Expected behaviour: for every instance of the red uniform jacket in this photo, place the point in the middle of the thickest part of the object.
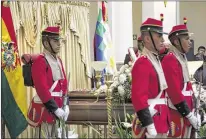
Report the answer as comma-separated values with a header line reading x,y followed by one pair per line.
x,y
174,77
43,81
145,85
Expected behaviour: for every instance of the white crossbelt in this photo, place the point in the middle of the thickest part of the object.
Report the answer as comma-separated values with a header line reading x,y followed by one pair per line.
x,y
187,93
157,101
55,94
184,92
153,102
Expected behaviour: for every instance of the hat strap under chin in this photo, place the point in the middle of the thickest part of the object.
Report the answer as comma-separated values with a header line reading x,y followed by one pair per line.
x,y
153,41
50,45
181,44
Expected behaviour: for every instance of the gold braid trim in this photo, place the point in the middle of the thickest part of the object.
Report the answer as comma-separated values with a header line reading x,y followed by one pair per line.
x,y
77,3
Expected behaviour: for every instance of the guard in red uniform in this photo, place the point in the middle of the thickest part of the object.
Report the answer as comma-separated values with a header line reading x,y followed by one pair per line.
x,y
179,87
148,85
50,81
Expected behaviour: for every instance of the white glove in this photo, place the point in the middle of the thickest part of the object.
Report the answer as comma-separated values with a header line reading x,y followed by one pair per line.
x,y
151,131
67,111
194,120
152,110
60,113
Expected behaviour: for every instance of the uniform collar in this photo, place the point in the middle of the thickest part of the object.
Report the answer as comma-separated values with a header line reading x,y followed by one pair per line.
x,y
49,54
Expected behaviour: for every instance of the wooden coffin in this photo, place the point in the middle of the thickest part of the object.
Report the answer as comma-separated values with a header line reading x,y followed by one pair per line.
x,y
83,108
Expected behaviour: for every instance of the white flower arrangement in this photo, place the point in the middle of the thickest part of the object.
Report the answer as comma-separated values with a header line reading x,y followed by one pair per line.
x,y
197,92
203,95
122,84
127,125
102,89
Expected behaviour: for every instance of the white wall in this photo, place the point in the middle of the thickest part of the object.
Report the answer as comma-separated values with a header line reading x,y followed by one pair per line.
x,y
122,29
147,10
169,12
195,12
156,8
93,13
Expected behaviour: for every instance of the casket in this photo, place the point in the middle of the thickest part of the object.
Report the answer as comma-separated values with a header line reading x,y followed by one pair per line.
x,y
83,108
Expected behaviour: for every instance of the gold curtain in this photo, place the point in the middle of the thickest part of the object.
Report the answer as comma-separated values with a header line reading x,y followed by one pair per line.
x,y
30,18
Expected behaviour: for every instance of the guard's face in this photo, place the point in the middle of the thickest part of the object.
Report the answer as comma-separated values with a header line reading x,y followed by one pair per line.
x,y
158,40
55,43
186,43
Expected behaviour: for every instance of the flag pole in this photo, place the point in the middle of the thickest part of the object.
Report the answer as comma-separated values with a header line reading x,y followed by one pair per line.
x,y
2,128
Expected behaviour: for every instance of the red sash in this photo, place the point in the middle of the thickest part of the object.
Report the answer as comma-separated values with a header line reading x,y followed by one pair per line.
x,y
176,126
137,130
37,110
35,113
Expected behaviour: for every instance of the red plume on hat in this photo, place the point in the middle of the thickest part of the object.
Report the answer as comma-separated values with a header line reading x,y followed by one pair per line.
x,y
180,29
161,17
154,25
185,20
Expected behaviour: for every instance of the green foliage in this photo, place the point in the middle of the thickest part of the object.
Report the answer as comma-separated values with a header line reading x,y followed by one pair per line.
x,y
94,129
123,129
202,133
84,136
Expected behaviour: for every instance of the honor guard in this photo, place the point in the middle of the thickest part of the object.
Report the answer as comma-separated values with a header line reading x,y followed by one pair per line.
x,y
50,83
148,85
179,87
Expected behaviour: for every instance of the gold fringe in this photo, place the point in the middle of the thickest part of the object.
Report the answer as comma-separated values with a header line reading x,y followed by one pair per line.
x,y
78,3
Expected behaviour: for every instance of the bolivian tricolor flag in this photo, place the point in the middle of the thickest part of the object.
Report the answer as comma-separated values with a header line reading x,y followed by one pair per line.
x,y
13,92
